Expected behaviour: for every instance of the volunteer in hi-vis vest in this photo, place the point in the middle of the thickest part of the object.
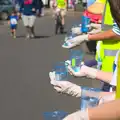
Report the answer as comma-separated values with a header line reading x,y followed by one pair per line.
x,y
106,50
110,42
62,5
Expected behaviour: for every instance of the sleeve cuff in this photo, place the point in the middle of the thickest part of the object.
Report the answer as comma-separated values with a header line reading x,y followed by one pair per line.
x,y
116,31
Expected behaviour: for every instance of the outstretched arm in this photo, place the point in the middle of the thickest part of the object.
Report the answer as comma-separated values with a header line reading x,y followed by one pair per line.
x,y
108,111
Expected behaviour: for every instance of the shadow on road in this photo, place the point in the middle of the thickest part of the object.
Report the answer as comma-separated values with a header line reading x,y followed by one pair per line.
x,y
36,37
41,36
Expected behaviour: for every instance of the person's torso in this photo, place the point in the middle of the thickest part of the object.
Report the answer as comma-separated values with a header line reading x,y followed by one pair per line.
x,y
13,20
28,6
61,4
109,47
106,53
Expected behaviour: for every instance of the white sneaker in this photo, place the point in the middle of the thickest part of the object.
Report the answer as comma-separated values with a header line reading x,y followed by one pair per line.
x,y
27,36
32,35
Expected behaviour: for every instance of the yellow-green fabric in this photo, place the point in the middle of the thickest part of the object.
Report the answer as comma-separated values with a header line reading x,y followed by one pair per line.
x,y
61,4
107,61
118,78
101,1
108,17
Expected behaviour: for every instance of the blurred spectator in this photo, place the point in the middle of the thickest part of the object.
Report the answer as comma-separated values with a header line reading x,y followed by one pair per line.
x,y
40,8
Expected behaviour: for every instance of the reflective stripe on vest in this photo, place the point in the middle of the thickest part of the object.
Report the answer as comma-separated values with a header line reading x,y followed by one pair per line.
x,y
105,26
110,52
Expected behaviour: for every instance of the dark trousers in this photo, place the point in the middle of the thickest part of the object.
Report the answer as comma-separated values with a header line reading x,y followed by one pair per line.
x,y
106,87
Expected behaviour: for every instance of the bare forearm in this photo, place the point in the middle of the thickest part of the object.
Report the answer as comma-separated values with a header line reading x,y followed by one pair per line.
x,y
102,94
104,36
93,8
104,76
108,111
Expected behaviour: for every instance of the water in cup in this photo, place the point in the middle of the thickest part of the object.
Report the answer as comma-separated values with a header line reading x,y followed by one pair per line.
x,y
61,72
76,57
88,102
89,97
56,115
68,37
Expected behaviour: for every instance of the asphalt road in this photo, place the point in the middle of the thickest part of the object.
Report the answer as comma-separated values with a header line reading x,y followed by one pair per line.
x,y
25,90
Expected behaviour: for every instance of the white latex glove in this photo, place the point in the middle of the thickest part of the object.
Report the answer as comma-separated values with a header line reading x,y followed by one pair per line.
x,y
107,98
75,41
79,115
84,71
65,86
94,28
67,62
76,30
81,73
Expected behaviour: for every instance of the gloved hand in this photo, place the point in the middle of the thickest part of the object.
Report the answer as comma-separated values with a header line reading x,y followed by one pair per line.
x,y
79,115
81,73
76,30
107,98
65,86
94,28
84,71
75,41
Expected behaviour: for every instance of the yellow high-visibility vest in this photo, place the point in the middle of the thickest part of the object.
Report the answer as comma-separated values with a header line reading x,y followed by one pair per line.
x,y
61,4
118,78
109,48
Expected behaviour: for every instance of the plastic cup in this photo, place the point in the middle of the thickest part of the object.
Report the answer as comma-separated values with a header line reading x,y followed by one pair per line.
x,y
89,97
56,115
61,72
85,22
76,57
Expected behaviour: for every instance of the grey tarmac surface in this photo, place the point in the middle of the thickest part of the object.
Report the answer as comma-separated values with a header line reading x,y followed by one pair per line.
x,y
25,90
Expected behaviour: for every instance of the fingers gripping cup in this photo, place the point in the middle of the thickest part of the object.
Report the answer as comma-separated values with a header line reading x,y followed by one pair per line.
x,y
68,37
76,57
56,115
61,72
89,97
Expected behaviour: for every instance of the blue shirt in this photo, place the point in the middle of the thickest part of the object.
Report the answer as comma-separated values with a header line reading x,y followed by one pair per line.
x,y
13,20
27,6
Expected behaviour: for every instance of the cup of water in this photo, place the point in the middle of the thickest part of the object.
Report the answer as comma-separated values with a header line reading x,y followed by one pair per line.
x,y
85,22
68,37
89,97
76,57
56,115
61,72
